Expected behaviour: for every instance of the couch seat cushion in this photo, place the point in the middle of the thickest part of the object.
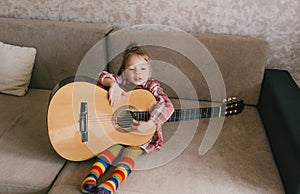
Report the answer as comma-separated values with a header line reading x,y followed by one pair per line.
x,y
28,164
239,162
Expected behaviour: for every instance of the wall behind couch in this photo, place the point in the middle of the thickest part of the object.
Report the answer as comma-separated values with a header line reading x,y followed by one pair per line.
x,y
277,21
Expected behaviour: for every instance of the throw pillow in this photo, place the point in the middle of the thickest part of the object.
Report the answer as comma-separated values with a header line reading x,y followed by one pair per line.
x,y
16,65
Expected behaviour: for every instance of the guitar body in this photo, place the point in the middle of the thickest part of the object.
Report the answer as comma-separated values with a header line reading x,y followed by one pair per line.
x,y
102,121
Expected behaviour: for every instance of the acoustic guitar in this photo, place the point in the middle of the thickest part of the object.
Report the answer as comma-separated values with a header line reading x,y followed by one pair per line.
x,y
81,122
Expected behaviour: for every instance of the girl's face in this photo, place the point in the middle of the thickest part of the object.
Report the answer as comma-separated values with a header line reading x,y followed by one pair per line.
x,y
137,70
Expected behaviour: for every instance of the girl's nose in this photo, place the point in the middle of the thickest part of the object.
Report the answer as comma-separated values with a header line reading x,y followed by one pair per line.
x,y
137,71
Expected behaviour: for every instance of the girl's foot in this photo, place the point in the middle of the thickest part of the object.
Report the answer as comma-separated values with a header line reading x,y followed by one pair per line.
x,y
88,188
100,190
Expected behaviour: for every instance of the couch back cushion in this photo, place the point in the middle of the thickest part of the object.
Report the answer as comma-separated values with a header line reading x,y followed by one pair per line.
x,y
60,45
240,61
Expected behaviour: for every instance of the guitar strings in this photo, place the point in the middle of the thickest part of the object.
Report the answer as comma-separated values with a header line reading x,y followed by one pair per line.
x,y
109,118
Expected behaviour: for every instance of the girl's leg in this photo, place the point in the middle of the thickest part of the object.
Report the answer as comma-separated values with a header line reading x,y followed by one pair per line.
x,y
122,170
103,161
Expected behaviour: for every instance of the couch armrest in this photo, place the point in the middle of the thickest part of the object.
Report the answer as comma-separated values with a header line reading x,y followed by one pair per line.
x,y
279,107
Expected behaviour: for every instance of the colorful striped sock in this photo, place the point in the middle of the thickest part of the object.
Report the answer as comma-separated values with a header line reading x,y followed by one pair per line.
x,y
122,170
103,161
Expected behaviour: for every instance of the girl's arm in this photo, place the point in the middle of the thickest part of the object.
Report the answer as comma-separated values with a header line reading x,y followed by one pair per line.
x,y
109,81
164,108
105,79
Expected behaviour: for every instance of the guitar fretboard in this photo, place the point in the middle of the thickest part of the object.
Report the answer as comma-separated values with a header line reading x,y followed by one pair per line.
x,y
185,114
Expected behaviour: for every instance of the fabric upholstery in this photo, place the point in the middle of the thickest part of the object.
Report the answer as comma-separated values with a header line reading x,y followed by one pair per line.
x,y
60,45
241,60
16,67
28,163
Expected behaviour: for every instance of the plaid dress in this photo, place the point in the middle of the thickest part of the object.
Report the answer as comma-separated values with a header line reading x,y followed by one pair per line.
x,y
160,113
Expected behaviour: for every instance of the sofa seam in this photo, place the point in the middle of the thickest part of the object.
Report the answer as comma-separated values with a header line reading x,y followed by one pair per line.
x,y
52,185
15,121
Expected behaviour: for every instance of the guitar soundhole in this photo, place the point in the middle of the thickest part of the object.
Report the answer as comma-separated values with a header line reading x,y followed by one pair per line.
x,y
123,119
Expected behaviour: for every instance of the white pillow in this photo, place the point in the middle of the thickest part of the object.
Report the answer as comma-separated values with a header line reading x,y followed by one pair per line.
x,y
16,65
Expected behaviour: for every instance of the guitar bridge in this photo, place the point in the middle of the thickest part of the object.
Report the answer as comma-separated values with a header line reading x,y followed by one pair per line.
x,y
83,122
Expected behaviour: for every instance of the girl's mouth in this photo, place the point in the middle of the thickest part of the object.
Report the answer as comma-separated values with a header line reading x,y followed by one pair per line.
x,y
137,79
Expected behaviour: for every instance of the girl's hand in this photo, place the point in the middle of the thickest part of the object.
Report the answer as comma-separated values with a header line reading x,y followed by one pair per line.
x,y
115,93
142,126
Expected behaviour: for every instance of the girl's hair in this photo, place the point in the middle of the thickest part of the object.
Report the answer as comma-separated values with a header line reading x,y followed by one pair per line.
x,y
133,49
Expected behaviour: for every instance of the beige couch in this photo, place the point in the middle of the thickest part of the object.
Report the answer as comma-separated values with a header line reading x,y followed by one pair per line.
x,y
240,161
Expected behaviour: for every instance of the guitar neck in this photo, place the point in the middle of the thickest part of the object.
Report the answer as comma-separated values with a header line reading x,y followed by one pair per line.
x,y
185,114
195,113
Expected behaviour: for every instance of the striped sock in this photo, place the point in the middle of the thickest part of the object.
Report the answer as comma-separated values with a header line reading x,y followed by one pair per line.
x,y
98,168
104,160
122,170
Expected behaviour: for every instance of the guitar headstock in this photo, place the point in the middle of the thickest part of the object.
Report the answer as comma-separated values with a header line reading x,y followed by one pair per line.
x,y
232,105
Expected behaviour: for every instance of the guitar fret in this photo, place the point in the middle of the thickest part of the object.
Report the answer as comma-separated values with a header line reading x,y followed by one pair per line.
x,y
198,113
176,116
185,114
204,113
201,114
212,112
195,111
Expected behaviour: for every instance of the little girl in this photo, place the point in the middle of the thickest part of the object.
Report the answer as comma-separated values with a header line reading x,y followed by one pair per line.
x,y
135,72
